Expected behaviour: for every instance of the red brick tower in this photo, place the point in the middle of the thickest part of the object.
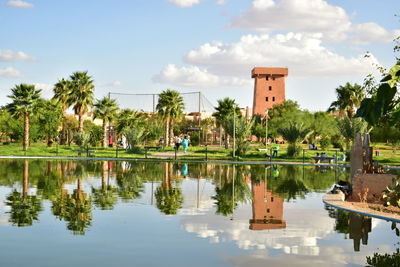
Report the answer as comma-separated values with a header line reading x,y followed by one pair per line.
x,y
269,88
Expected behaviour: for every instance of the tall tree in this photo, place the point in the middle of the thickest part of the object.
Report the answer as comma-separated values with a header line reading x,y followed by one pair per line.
x,y
81,95
61,92
349,98
24,98
225,109
294,134
105,109
170,107
50,116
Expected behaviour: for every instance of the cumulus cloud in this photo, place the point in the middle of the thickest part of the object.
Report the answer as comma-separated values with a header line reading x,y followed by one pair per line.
x,y
8,55
303,54
10,72
195,77
185,3
47,89
313,16
19,4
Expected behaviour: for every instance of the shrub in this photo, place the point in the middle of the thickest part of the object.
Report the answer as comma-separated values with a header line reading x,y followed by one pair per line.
x,y
325,142
391,195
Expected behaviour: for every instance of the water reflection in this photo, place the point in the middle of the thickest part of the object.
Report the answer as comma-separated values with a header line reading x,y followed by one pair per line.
x,y
275,208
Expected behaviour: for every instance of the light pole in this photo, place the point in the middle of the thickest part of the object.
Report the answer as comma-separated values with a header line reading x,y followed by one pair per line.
x,y
266,129
234,132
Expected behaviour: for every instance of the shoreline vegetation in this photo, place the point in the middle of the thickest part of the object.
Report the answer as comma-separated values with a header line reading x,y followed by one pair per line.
x,y
387,157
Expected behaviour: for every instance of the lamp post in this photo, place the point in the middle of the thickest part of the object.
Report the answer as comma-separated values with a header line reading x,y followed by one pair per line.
x,y
266,129
234,132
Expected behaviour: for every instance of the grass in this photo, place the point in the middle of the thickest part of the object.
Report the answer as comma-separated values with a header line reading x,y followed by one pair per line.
x,y
387,155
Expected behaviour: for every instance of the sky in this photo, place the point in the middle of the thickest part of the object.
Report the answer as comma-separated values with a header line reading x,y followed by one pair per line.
x,y
146,46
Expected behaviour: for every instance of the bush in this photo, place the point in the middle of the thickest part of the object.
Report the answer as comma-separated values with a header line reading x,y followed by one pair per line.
x,y
391,195
194,139
135,137
337,141
82,139
325,142
293,150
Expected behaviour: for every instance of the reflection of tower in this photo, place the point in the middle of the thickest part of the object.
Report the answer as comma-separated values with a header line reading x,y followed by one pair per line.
x,y
269,88
267,209
360,226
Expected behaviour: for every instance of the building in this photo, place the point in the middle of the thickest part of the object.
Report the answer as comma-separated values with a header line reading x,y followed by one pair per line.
x,y
269,88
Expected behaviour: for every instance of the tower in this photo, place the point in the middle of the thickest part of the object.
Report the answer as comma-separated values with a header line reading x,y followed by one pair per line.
x,y
269,88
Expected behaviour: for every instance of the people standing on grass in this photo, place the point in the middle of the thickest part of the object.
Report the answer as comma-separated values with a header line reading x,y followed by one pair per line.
x,y
185,143
178,142
276,148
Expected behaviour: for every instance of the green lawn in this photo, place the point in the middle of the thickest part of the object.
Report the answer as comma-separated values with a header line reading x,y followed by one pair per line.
x,y
387,155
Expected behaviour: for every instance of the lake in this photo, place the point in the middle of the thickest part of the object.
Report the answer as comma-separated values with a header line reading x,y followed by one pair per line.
x,y
137,213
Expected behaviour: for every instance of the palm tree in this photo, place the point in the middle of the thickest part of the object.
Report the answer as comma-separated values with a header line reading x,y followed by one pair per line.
x,y
24,100
61,92
126,120
81,95
349,127
226,108
294,134
105,109
170,107
349,98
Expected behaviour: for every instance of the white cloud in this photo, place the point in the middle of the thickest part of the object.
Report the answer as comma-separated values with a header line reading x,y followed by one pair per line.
x,y
221,2
47,89
303,54
8,55
185,3
195,77
186,76
19,4
312,16
10,72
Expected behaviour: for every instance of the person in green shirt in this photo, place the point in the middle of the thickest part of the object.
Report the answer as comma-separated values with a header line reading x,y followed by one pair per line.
x,y
276,148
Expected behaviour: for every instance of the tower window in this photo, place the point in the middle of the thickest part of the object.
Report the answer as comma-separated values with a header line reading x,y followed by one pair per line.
x,y
266,99
266,78
273,98
267,210
270,88
272,199
273,78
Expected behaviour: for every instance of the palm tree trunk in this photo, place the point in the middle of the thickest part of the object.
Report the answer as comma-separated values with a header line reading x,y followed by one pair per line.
x,y
104,133
226,140
25,142
171,129
80,119
166,141
220,135
26,175
63,134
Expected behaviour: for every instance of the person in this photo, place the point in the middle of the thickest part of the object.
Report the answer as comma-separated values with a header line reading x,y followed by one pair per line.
x,y
185,143
178,142
276,148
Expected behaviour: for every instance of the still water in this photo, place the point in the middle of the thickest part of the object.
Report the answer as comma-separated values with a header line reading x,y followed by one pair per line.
x,y
116,213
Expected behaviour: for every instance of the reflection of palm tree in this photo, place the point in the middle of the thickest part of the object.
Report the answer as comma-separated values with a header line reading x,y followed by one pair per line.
x,y
24,208
233,191
105,197
169,199
130,184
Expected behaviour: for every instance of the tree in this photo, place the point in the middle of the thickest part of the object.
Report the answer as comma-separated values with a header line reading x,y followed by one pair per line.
x,y
226,107
170,107
242,132
24,100
61,92
349,127
126,120
81,95
349,98
105,109
50,115
294,134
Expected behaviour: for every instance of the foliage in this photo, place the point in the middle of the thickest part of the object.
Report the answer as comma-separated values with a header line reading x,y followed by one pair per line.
x,y
24,98
322,125
384,260
349,127
391,195
126,120
50,116
82,139
135,137
324,142
94,132
349,98
294,134
106,110
169,200
224,111
23,209
242,133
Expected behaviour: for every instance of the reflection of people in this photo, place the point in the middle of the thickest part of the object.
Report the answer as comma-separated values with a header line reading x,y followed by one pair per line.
x,y
275,172
185,143
184,170
276,148
360,226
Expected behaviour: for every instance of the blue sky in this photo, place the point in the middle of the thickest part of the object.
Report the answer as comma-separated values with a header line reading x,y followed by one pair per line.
x,y
146,46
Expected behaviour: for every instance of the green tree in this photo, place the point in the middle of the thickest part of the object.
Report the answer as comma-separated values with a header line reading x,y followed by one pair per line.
x,y
226,107
170,107
81,95
62,90
294,134
242,132
50,115
349,98
24,100
349,127
106,110
126,120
